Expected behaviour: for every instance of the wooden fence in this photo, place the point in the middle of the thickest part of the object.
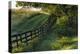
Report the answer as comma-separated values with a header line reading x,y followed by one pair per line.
x,y
30,35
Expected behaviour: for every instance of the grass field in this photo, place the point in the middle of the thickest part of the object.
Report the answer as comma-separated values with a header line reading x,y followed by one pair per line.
x,y
51,41
23,23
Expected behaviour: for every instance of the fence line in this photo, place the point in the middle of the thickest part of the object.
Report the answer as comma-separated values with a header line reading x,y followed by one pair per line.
x,y
30,35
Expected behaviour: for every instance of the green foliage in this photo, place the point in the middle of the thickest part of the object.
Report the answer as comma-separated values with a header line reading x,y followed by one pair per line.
x,y
65,43
63,34
20,3
54,42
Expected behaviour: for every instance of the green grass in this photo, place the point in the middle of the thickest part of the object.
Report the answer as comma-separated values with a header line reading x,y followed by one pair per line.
x,y
50,41
23,47
64,43
26,25
53,40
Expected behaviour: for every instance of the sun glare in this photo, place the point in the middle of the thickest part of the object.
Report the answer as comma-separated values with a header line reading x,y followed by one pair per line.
x,y
13,4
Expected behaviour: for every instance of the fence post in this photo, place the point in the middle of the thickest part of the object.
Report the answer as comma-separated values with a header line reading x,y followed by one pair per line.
x,y
20,38
39,32
26,39
16,40
31,34
42,30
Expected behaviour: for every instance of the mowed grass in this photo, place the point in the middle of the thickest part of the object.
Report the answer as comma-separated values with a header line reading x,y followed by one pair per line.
x,y
26,24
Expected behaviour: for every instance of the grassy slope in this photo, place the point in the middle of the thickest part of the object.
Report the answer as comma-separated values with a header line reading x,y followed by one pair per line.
x,y
26,25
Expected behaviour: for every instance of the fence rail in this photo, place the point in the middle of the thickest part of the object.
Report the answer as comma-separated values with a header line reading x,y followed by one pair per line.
x,y
30,35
